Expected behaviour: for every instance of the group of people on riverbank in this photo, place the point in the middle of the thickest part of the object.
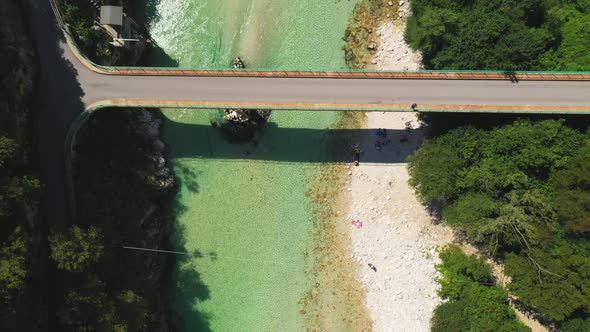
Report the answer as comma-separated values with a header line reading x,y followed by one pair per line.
x,y
381,141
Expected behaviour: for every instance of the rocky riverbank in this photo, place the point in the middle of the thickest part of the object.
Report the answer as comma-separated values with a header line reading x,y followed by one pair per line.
x,y
394,53
375,37
397,237
361,37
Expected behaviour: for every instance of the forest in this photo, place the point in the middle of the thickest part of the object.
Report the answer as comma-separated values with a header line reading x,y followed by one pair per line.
x,y
516,188
124,195
21,252
501,34
521,192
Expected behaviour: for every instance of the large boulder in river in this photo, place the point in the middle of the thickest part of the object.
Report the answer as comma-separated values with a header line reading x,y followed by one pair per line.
x,y
240,125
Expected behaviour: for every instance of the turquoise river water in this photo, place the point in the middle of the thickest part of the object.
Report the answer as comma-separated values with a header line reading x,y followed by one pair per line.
x,y
244,206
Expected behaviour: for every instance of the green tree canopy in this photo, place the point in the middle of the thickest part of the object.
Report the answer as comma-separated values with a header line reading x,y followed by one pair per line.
x,y
90,308
77,249
474,303
556,283
501,34
522,191
572,198
8,148
14,255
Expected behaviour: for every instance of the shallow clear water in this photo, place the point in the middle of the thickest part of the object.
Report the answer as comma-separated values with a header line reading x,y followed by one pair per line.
x,y
265,33
244,206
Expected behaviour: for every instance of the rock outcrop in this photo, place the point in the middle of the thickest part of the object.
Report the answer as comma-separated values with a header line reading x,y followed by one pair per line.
x,y
240,125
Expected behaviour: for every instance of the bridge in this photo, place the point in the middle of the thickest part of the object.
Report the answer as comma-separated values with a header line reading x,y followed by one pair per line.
x,y
331,90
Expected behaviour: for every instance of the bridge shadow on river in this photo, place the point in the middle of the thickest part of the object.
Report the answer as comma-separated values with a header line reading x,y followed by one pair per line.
x,y
293,145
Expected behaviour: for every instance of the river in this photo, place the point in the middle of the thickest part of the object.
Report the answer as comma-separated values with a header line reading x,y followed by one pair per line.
x,y
244,208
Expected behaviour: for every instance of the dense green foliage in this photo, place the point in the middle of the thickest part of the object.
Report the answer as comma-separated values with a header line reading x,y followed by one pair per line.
x,y
92,308
521,192
501,34
77,249
81,15
13,270
572,201
474,303
19,187
576,325
123,198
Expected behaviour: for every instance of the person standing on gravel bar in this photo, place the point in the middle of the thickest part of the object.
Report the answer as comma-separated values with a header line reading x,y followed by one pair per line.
x,y
357,154
372,267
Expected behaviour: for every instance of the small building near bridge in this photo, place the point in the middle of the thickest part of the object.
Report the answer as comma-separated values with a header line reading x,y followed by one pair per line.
x,y
111,15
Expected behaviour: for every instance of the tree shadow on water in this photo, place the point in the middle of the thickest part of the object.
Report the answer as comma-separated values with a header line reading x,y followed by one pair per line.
x,y
186,177
190,288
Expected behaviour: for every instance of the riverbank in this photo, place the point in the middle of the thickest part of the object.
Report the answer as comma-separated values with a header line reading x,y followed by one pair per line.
x,y
397,237
336,300
394,53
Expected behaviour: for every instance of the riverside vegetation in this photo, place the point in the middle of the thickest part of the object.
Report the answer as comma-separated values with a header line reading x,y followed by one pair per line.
x,y
518,189
80,16
501,34
474,303
123,198
521,192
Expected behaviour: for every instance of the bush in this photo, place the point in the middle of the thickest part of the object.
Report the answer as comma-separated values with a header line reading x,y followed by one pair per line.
x,y
14,256
576,325
474,303
93,41
572,198
76,250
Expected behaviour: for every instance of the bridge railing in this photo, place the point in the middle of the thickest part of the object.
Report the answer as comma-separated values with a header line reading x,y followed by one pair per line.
x,y
57,13
348,73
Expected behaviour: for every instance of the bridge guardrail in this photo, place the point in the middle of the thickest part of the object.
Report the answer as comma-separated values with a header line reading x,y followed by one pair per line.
x,y
340,106
347,73
353,74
